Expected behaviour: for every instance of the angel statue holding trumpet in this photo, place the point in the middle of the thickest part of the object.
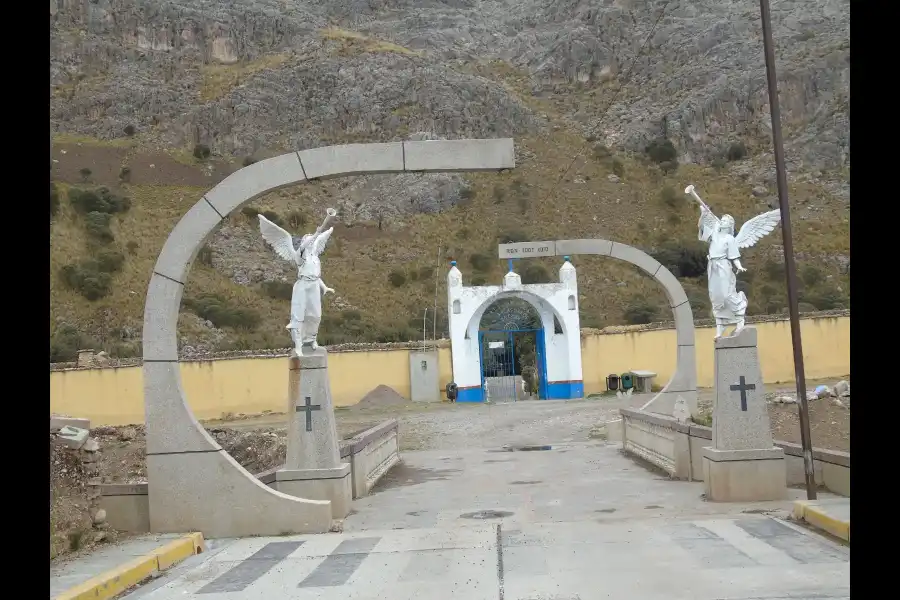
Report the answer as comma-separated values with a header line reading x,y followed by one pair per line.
x,y
724,260
306,298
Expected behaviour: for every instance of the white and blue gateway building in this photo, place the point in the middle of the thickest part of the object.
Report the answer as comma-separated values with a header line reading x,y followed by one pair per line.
x,y
511,357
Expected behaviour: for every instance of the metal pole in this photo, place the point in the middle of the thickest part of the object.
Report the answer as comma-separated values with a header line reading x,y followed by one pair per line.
x,y
424,317
789,266
437,274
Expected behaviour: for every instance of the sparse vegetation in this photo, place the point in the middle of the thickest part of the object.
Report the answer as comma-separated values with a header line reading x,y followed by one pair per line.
x,y
221,313
480,262
278,290
618,167
736,151
100,200
640,311
397,278
97,226
54,199
66,342
201,152
661,151
535,273
683,260
129,130
85,174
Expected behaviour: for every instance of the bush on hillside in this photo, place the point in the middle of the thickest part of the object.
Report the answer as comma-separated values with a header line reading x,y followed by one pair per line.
x,y
54,200
66,342
397,278
278,290
535,273
86,279
201,151
274,217
85,174
220,313
512,236
480,262
640,312
100,200
129,130
296,219
250,212
618,167
736,151
97,226
670,197
662,150
688,260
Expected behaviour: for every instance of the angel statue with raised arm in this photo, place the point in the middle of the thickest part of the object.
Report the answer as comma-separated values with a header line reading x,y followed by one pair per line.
x,y
729,306
306,298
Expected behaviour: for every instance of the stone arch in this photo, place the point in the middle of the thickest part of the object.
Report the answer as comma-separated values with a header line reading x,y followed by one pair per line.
x,y
684,380
193,483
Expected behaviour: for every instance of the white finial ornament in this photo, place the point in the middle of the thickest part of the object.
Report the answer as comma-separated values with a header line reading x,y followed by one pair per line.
x,y
306,298
729,306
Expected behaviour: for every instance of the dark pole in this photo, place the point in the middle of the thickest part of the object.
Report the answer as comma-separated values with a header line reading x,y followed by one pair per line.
x,y
789,266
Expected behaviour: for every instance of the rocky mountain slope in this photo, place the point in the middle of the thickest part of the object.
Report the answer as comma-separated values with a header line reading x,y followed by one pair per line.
x,y
614,104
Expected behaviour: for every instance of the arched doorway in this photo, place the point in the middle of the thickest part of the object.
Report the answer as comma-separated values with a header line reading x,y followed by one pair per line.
x,y
557,339
512,351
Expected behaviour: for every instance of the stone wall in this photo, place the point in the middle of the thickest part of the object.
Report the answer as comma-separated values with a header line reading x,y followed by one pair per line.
x,y
676,448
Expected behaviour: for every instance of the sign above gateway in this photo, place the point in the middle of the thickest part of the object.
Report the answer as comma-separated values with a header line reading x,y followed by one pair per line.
x,y
527,249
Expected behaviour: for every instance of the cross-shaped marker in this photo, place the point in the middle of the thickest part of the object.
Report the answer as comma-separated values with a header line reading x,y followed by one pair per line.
x,y
308,408
742,387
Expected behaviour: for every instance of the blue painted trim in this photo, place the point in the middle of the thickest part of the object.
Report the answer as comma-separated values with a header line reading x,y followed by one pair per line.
x,y
543,389
470,395
565,390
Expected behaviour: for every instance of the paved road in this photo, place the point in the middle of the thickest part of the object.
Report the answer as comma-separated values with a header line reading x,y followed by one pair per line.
x,y
751,557
578,521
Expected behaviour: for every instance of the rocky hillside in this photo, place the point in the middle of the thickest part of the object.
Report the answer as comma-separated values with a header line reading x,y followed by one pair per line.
x,y
615,106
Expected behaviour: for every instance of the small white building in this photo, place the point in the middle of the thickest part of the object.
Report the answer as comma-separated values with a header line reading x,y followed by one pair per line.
x,y
558,340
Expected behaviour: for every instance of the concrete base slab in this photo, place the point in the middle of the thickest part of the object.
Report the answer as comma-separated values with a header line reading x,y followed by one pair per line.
x,y
744,475
212,493
334,485
831,515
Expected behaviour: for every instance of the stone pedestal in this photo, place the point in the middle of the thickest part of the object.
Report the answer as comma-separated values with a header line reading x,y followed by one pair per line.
x,y
743,464
312,467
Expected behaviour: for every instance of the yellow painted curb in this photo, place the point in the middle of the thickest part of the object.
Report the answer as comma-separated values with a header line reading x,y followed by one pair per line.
x,y
818,518
115,581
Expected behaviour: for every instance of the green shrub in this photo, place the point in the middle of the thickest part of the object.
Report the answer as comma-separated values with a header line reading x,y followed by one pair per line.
x,y
107,261
85,174
132,247
668,166
478,280
397,278
774,270
824,298
129,130
351,315
670,197
811,275
736,151
512,236
535,273
601,152
719,163
279,290
66,342
499,194
274,217
54,200
640,312
87,280
618,167
662,150
250,212
201,152
466,194
97,226
217,310
480,262
688,260
98,200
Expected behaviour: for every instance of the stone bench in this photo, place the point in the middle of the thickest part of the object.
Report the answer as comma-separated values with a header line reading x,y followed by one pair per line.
x,y
643,381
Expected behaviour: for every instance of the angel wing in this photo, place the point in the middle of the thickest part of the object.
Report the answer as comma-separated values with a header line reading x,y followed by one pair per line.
x,y
320,241
756,228
280,240
708,220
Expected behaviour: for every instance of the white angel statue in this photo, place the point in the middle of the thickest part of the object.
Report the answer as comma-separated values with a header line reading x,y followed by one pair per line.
x,y
306,298
724,261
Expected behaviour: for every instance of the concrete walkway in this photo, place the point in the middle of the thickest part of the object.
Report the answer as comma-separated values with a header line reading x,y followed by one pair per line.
x,y
577,521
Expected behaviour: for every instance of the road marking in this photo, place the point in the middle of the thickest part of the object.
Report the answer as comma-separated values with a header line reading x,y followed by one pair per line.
x,y
340,565
251,569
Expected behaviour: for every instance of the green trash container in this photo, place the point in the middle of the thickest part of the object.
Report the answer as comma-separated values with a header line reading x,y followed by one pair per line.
x,y
627,381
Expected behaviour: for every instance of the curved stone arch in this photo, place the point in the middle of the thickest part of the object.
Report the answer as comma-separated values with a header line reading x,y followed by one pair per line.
x,y
193,483
684,379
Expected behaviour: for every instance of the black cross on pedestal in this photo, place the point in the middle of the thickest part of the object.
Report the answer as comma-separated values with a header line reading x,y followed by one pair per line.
x,y
309,408
742,387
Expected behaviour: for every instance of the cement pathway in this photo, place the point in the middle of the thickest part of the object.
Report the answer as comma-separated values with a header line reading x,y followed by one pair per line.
x,y
577,521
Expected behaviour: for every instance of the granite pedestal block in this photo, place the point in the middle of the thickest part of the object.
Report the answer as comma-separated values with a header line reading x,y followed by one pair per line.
x,y
312,467
743,464
335,485
744,475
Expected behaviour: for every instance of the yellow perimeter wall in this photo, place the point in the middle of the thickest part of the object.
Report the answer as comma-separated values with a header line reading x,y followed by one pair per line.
x,y
114,396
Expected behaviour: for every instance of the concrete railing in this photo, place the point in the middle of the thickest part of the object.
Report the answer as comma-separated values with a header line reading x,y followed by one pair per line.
x,y
371,455
677,448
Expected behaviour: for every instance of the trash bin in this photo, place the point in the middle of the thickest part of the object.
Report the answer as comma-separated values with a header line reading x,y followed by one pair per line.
x,y
612,382
627,380
452,391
